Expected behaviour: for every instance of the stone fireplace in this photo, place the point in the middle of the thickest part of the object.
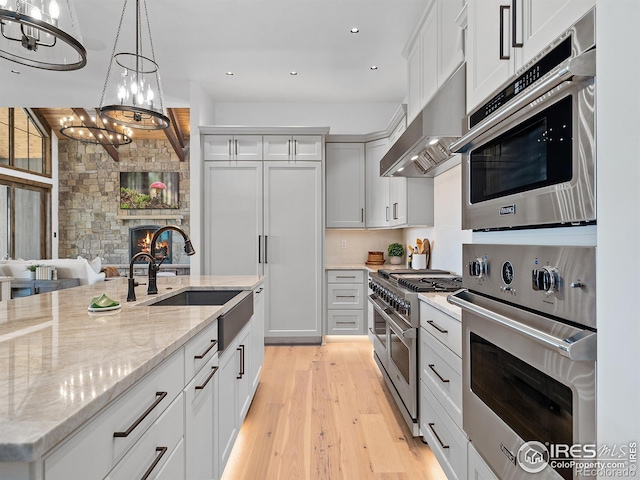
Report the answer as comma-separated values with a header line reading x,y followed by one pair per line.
x,y
140,241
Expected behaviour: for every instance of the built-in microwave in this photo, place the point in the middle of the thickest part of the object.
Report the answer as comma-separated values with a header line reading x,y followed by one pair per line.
x,y
529,151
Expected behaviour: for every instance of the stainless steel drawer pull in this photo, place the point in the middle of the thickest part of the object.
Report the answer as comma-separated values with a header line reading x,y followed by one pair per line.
x,y
126,433
435,325
443,380
203,354
345,296
213,372
437,437
346,276
162,451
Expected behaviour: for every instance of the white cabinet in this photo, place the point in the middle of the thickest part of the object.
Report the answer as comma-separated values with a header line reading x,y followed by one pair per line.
x,y
398,201
235,392
257,337
435,51
345,185
345,302
266,218
378,212
293,250
477,469
440,389
491,62
232,147
296,147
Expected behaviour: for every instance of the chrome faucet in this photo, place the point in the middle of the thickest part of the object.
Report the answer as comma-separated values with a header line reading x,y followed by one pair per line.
x,y
131,292
152,288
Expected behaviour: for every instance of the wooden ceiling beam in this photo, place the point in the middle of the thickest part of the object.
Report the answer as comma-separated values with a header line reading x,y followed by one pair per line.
x,y
176,125
90,124
173,139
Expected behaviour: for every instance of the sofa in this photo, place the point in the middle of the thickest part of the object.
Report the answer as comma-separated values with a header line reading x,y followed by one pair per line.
x,y
87,272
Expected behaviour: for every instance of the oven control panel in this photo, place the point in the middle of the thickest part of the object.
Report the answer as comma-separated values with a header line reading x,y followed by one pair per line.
x,y
556,280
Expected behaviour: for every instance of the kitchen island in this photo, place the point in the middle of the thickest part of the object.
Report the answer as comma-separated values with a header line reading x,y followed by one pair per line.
x,y
61,366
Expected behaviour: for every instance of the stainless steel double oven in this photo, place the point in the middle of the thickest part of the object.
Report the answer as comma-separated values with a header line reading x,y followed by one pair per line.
x,y
394,322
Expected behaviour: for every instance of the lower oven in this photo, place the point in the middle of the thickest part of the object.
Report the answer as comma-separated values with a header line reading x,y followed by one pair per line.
x,y
529,378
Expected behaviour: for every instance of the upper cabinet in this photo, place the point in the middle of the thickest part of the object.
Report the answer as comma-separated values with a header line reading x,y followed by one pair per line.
x,y
434,52
504,35
345,185
232,147
296,147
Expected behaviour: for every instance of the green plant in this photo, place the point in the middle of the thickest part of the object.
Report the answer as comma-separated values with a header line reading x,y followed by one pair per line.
x,y
395,250
32,268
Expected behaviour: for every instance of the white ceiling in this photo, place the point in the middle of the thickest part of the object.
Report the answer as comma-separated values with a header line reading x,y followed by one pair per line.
x,y
261,41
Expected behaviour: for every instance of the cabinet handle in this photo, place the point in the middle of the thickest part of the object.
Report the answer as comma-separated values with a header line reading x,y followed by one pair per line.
x,y
437,437
346,276
259,248
162,451
387,214
202,355
241,372
230,154
345,296
236,147
362,215
265,248
443,380
503,56
128,431
288,148
295,148
514,30
395,211
213,372
260,291
435,325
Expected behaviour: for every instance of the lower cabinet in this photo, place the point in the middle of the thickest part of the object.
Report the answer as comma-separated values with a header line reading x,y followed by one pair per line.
x,y
346,307
476,468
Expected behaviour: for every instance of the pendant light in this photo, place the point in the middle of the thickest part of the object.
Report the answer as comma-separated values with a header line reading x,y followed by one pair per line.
x,y
132,93
95,130
41,34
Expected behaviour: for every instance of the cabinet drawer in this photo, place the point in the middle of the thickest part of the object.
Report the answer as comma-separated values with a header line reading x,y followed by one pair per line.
x,y
94,450
345,321
445,328
158,444
344,296
448,442
441,371
345,276
199,350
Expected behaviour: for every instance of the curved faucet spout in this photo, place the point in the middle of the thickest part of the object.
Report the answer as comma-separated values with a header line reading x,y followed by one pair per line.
x,y
152,288
131,292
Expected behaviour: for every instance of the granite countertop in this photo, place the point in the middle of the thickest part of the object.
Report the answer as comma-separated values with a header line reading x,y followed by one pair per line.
x,y
439,301
60,364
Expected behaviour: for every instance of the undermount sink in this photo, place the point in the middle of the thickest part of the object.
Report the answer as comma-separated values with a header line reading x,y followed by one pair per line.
x,y
230,323
197,297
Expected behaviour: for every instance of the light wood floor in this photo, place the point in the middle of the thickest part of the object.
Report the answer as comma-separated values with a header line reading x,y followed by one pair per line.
x,y
324,412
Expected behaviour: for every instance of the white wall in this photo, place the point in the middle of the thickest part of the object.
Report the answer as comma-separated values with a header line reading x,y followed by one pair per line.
x,y
618,260
446,235
343,118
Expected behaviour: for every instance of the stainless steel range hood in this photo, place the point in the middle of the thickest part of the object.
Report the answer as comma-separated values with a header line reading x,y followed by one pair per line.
x,y
423,149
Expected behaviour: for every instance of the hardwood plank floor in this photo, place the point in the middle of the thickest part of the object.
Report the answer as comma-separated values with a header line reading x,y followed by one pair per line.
x,y
324,412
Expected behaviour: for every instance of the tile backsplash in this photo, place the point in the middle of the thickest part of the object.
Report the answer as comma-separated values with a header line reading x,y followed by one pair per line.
x,y
357,244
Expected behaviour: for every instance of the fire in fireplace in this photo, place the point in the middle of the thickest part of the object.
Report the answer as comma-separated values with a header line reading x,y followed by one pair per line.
x,y
140,241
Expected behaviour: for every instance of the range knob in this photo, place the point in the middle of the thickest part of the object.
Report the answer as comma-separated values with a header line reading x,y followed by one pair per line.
x,y
545,279
478,267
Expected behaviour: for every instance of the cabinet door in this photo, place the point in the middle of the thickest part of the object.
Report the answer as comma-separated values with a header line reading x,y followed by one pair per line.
x,y
293,251
450,38
378,209
201,395
345,185
414,77
277,147
398,201
247,147
539,22
257,336
218,147
429,53
228,409
476,468
244,383
486,70
307,147
233,217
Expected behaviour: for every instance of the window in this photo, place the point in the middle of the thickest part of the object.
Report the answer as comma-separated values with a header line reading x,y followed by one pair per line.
x,y
23,145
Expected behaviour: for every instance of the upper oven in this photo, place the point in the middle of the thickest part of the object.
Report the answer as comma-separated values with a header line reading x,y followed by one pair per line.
x,y
529,152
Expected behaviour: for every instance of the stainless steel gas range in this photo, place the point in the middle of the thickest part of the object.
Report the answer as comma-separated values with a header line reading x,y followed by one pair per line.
x,y
394,322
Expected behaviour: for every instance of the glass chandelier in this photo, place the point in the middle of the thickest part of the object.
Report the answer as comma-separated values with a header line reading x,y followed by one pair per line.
x,y
87,129
41,34
132,93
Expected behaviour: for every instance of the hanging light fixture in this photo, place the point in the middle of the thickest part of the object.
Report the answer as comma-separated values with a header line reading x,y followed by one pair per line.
x,y
88,129
41,34
132,94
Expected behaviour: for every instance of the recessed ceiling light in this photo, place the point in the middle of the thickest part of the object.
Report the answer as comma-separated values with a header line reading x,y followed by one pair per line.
x,y
374,67
293,73
230,74
355,30
433,141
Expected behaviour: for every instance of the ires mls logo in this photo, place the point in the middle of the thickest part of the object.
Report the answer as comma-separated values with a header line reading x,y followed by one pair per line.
x,y
508,210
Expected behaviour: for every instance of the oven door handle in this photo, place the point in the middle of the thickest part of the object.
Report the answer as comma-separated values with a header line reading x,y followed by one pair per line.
x,y
579,346
583,67
386,314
